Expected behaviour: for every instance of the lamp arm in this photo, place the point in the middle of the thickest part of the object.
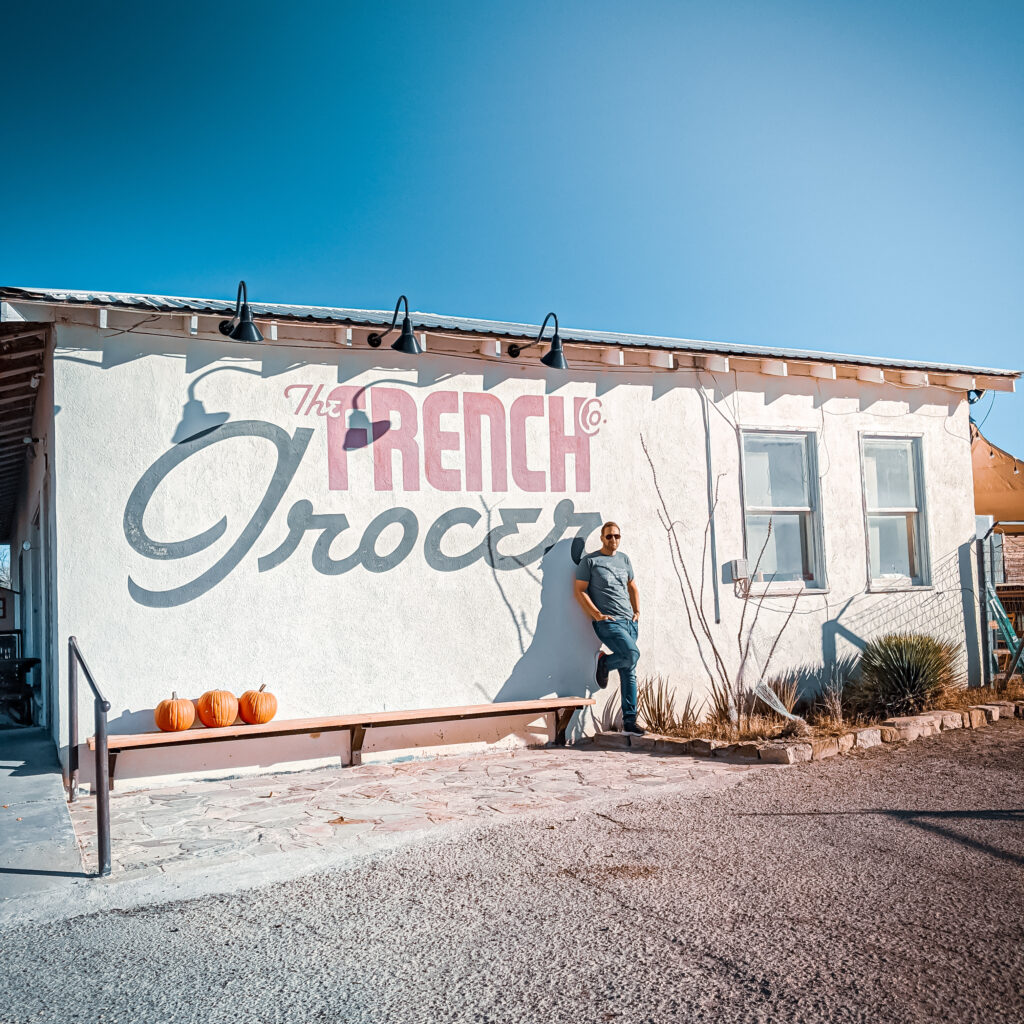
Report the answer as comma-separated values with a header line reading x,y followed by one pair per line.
x,y
241,309
242,296
376,338
240,299
514,350
550,316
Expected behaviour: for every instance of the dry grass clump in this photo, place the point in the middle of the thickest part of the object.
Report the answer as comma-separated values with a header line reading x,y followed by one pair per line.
x,y
753,720
611,713
722,708
898,674
828,706
962,697
656,704
750,727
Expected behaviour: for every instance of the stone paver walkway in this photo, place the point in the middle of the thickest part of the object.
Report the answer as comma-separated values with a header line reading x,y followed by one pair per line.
x,y
330,809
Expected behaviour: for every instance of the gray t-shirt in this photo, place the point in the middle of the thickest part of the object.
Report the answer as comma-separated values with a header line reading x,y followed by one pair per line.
x,y
607,576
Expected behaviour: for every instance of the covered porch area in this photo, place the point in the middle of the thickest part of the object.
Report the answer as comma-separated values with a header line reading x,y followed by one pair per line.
x,y
26,699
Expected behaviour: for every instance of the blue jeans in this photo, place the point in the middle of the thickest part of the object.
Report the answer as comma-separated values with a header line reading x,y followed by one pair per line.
x,y
620,636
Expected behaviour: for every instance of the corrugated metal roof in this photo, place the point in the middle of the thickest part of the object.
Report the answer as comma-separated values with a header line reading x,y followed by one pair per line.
x,y
433,321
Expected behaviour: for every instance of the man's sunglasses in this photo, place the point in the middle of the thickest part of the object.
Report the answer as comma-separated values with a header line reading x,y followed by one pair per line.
x,y
613,536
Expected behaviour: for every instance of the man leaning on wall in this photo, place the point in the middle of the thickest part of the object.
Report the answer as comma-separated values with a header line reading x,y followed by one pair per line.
x,y
607,592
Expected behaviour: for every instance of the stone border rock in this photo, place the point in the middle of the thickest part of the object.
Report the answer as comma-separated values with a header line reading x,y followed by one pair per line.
x,y
784,751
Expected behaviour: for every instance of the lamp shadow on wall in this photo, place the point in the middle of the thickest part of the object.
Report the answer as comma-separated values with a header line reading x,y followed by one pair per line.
x,y
362,432
559,659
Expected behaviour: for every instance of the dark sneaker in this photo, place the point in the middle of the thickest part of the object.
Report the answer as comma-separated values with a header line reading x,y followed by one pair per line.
x,y
601,674
633,729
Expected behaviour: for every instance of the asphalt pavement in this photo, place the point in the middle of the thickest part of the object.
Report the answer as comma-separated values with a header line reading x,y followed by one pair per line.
x,y
885,886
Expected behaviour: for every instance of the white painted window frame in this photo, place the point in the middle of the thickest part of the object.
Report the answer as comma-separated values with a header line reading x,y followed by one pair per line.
x,y
815,531
897,584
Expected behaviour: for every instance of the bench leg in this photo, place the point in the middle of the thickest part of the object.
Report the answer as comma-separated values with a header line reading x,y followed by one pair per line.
x,y
356,736
111,761
562,720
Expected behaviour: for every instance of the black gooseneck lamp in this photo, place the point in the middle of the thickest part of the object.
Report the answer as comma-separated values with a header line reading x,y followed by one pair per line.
x,y
241,326
555,358
406,342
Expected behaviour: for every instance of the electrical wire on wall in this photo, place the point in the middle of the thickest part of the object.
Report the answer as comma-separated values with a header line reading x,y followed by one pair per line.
x,y
992,402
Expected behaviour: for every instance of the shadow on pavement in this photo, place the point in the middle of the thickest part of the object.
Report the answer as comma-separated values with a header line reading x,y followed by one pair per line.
x,y
926,820
47,874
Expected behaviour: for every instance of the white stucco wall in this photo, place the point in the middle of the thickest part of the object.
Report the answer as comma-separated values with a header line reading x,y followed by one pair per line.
x,y
413,636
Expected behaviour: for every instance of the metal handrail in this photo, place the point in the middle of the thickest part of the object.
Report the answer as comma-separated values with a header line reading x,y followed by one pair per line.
x,y
102,780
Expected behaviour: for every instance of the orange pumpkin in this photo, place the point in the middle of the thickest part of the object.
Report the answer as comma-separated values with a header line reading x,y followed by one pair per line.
x,y
217,708
174,715
257,707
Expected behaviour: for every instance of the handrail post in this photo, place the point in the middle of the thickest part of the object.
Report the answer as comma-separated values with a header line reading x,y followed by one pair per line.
x,y
72,721
101,776
102,787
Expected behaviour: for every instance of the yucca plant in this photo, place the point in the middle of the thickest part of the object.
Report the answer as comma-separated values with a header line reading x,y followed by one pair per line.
x,y
688,717
656,704
904,674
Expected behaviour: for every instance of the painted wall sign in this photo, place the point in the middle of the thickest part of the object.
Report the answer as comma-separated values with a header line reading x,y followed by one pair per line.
x,y
413,429
399,421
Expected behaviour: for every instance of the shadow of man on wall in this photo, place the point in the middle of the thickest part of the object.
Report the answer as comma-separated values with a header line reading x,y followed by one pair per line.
x,y
559,660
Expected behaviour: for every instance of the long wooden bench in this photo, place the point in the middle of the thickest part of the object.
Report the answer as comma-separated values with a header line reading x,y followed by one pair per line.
x,y
562,708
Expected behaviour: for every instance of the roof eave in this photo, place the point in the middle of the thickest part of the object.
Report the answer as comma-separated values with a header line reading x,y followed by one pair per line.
x,y
335,316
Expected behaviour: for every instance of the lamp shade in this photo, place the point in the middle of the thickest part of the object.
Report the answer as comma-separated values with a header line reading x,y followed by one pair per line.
x,y
556,357
244,328
407,341
241,326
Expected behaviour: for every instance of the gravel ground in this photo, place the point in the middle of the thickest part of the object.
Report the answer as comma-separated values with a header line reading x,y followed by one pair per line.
x,y
885,886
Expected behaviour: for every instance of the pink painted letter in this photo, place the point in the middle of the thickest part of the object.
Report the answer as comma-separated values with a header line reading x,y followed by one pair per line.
x,y
474,408
436,440
577,444
385,402
523,408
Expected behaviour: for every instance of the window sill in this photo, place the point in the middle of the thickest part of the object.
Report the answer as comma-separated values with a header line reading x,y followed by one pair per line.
x,y
900,587
785,590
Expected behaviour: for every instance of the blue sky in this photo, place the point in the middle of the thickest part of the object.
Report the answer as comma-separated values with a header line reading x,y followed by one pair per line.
x,y
841,176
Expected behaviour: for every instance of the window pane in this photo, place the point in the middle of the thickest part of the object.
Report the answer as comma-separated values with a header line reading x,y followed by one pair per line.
x,y
787,555
889,473
775,470
893,544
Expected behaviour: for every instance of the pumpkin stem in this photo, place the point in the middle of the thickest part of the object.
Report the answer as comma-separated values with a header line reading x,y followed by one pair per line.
x,y
174,694
262,688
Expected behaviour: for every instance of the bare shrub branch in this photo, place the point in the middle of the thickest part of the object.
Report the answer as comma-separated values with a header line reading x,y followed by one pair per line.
x,y
729,701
